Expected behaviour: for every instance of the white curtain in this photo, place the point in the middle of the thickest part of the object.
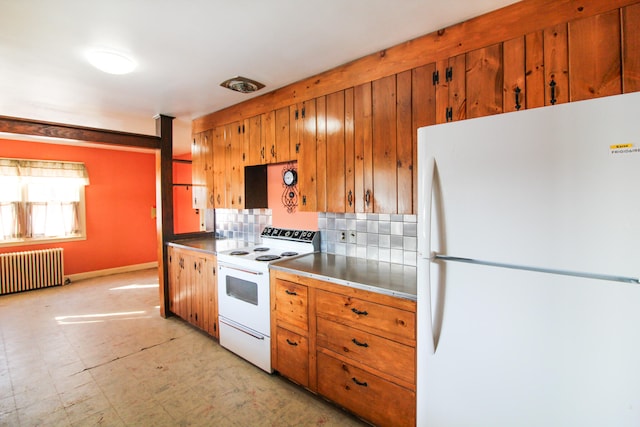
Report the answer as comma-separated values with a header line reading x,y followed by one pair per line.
x,y
40,198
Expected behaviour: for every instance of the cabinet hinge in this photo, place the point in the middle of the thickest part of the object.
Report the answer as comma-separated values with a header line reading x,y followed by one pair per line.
x,y
297,148
304,200
435,77
449,114
296,115
449,74
303,112
243,157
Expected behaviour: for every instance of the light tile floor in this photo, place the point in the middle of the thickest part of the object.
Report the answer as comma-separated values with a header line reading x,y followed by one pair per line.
x,y
97,352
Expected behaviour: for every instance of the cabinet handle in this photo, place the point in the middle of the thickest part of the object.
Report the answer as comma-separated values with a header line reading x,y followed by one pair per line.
x,y
218,199
517,91
350,198
363,384
288,292
552,85
358,312
367,197
273,151
291,342
297,148
304,200
262,152
359,344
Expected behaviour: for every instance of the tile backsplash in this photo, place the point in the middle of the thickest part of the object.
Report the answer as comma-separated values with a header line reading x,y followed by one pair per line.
x,y
379,237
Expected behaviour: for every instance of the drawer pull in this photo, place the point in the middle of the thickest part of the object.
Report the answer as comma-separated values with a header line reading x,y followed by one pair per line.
x,y
293,343
362,384
288,292
358,312
360,344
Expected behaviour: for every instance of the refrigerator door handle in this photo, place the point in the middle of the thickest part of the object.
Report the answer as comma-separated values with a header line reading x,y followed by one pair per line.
x,y
424,253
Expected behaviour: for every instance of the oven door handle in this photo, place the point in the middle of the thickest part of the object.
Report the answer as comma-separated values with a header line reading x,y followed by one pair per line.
x,y
255,273
240,328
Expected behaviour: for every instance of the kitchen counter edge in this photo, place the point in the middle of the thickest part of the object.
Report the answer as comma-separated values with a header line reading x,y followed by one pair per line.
x,y
395,280
208,245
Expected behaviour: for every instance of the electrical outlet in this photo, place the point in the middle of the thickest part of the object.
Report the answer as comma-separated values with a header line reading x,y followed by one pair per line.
x,y
343,236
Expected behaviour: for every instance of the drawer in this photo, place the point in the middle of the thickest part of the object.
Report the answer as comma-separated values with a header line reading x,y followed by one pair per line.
x,y
385,355
371,397
380,319
291,304
293,356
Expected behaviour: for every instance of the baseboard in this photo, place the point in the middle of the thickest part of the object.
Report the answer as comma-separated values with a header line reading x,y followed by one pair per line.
x,y
109,271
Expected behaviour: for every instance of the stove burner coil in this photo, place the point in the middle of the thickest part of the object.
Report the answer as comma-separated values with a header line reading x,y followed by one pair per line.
x,y
261,249
267,258
288,253
239,253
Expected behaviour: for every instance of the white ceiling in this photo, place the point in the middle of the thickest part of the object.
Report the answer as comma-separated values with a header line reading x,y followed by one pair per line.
x,y
185,49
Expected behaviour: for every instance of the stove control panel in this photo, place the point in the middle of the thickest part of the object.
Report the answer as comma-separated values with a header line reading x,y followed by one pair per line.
x,y
286,234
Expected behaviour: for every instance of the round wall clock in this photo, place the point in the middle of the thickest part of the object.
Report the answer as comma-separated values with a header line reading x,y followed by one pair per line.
x,y
290,177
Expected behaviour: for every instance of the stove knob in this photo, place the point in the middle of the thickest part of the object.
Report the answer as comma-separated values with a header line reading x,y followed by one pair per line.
x,y
287,233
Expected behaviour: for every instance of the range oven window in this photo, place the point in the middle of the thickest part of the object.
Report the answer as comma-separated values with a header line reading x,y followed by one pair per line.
x,y
242,290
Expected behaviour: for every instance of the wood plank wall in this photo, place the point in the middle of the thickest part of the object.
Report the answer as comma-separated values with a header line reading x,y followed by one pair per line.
x,y
537,21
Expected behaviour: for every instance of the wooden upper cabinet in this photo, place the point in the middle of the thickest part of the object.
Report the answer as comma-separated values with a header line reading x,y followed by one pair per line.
x,y
219,167
383,196
484,81
268,138
321,154
335,153
514,90
631,48
595,56
404,149
235,168
450,82
423,111
349,151
363,146
282,151
202,170
307,157
253,130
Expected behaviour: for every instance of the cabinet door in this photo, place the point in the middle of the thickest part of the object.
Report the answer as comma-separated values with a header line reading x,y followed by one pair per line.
x,y
363,147
513,87
384,146
256,150
307,158
423,108
630,48
268,138
211,296
295,130
335,154
198,172
556,65
321,154
404,150
219,167
282,151
197,286
484,81
235,168
349,151
173,269
293,356
451,89
595,56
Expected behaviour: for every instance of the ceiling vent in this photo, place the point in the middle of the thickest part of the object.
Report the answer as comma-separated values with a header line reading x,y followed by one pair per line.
x,y
242,84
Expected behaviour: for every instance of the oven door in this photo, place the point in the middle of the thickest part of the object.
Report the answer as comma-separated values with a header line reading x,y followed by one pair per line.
x,y
243,297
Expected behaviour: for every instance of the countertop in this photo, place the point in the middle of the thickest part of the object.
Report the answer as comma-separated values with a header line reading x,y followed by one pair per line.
x,y
209,245
375,276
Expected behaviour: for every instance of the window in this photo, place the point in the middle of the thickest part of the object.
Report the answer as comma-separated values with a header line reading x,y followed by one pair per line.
x,y
41,200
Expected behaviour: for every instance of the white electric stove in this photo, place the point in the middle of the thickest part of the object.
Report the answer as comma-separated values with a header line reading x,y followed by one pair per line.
x,y
244,295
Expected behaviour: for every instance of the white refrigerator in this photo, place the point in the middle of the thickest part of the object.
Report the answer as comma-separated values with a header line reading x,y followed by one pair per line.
x,y
528,267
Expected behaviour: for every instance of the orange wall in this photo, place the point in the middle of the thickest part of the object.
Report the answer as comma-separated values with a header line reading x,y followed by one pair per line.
x,y
119,199
280,217
185,218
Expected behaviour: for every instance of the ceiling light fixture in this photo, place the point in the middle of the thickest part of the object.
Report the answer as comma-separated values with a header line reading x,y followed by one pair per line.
x,y
110,61
242,84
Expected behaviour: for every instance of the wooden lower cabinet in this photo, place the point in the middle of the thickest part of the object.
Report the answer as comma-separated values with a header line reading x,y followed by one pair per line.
x,y
354,347
193,288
